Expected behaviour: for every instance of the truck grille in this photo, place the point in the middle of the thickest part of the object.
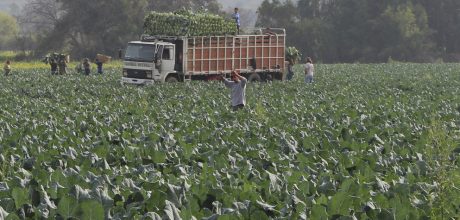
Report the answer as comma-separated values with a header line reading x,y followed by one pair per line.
x,y
137,74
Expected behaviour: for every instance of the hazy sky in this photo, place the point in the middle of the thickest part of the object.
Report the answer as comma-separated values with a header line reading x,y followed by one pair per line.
x,y
252,4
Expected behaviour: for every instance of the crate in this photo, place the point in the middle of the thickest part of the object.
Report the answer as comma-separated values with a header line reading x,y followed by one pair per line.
x,y
103,58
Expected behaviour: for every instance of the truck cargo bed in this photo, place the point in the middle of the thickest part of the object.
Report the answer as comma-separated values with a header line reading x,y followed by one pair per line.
x,y
246,53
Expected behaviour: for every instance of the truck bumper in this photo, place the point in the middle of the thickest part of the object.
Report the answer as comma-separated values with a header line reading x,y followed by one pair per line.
x,y
137,81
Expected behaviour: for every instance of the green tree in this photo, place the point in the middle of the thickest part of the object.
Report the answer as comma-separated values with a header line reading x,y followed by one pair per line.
x,y
310,8
351,23
301,33
85,28
8,31
275,13
444,19
405,34
353,30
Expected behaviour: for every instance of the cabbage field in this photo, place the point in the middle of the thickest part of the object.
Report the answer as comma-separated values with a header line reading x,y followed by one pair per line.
x,y
377,141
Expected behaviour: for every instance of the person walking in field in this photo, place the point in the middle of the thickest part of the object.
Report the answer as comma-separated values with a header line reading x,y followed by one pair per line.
x,y
238,86
86,66
236,16
54,66
309,70
290,70
7,68
99,66
62,64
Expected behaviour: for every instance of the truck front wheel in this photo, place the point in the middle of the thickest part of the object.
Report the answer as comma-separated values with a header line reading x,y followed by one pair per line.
x,y
254,77
171,79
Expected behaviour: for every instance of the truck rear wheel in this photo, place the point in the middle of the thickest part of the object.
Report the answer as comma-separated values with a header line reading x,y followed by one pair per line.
x,y
254,77
171,79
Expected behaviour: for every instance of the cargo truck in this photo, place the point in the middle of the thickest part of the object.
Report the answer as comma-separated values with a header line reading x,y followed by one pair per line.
x,y
258,57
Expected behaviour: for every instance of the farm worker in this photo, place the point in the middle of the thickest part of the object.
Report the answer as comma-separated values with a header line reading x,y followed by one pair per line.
x,y
236,16
99,66
290,70
238,86
62,64
54,66
86,66
309,71
7,68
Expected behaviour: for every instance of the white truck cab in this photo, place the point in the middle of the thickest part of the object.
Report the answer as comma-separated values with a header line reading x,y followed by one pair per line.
x,y
149,62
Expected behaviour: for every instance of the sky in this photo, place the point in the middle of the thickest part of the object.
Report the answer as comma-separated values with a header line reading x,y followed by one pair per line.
x,y
5,5
251,4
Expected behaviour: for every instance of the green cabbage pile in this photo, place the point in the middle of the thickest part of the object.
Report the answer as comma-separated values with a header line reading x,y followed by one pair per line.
x,y
188,23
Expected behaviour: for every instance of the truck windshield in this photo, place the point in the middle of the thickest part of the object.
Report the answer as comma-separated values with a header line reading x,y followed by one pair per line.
x,y
140,52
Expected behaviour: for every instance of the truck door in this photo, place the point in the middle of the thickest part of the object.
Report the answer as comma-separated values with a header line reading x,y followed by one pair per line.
x,y
167,59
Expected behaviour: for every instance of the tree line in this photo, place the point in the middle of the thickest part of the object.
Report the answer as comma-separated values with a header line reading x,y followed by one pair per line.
x,y
83,28
329,30
369,30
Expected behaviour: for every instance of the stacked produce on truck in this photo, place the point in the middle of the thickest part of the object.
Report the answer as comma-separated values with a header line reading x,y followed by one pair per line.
x,y
187,23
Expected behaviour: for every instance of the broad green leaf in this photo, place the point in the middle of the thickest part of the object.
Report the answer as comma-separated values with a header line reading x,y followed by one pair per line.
x,y
319,212
67,207
91,210
339,204
20,196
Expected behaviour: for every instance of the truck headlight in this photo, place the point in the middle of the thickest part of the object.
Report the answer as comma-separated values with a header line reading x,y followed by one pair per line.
x,y
149,75
125,73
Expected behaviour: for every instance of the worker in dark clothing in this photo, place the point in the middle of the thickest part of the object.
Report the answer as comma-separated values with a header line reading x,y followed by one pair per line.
x,y
62,64
54,66
86,66
99,66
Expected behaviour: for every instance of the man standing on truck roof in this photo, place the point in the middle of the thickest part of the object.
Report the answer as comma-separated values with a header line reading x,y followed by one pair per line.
x,y
236,16
238,86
